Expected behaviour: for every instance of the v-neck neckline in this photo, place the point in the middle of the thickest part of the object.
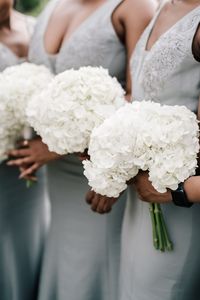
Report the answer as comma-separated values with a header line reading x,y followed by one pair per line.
x,y
168,30
81,25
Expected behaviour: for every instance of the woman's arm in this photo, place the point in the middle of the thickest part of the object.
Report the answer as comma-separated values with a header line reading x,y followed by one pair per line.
x,y
129,19
192,188
147,192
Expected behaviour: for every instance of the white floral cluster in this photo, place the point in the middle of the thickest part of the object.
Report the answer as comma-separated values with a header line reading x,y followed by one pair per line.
x,y
17,85
76,102
143,136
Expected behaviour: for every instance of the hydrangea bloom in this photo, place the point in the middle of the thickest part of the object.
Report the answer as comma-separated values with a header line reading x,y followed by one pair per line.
x,y
17,85
77,101
147,136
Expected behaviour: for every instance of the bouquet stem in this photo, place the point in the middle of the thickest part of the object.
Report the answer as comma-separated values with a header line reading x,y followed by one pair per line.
x,y
161,239
153,221
29,183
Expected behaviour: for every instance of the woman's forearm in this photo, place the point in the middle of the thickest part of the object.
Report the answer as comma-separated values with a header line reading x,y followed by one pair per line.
x,y
192,188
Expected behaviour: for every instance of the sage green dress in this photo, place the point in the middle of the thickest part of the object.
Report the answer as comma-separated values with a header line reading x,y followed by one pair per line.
x,y
82,254
23,221
169,74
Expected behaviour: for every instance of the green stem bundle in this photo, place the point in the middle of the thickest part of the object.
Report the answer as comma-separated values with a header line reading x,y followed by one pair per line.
x,y
29,183
161,239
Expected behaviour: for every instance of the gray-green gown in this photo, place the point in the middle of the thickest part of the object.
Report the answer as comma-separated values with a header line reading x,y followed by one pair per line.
x,y
23,223
169,74
83,249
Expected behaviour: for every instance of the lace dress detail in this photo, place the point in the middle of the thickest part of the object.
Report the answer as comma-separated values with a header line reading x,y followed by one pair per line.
x,y
169,56
169,74
105,42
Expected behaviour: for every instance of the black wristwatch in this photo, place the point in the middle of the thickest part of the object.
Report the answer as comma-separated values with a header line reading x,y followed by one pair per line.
x,y
179,197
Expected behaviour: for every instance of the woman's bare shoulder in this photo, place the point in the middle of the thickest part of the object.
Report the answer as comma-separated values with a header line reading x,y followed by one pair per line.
x,y
140,7
138,11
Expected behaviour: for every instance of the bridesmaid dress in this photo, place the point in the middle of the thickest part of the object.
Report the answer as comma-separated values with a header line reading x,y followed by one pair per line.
x,y
83,249
23,222
169,74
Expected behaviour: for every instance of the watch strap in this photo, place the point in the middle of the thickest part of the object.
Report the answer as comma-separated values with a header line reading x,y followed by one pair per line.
x,y
179,197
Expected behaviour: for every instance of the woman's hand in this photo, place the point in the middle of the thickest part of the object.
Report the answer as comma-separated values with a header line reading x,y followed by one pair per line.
x,y
31,156
100,204
147,192
32,177
83,156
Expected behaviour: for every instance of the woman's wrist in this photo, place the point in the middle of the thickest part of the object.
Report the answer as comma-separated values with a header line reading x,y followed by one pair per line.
x,y
179,197
169,196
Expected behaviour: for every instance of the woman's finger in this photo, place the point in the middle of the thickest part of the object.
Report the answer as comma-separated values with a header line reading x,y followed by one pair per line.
x,y
95,202
19,152
107,208
20,162
32,178
29,171
101,204
23,143
28,177
90,194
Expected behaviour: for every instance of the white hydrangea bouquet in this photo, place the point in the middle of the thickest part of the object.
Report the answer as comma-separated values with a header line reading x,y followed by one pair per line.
x,y
18,84
144,136
76,102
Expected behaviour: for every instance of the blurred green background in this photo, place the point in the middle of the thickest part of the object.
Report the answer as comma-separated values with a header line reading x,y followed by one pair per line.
x,y
31,7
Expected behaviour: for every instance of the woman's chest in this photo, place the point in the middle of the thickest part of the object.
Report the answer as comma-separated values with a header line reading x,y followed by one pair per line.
x,y
64,21
167,20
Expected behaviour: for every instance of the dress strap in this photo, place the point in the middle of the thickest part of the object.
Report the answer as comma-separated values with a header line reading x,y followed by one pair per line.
x,y
116,3
188,25
30,24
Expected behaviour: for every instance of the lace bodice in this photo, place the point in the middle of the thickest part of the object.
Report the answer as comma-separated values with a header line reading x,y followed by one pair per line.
x,y
168,72
7,57
94,43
